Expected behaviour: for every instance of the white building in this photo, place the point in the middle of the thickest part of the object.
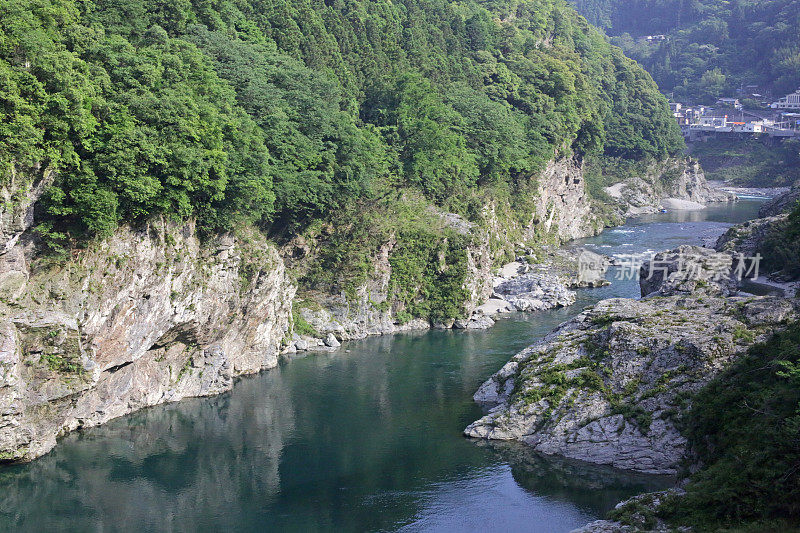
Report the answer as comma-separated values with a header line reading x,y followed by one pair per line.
x,y
714,121
748,127
790,101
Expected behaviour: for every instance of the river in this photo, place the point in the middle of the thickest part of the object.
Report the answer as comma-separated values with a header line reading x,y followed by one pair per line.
x,y
367,438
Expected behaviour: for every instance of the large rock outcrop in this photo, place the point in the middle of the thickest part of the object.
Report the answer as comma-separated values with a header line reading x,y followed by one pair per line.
x,y
611,385
562,207
690,270
748,238
780,204
560,211
678,183
771,239
149,315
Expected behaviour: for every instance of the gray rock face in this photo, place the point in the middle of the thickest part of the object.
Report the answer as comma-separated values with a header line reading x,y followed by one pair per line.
x,y
18,195
688,270
534,292
609,385
781,204
562,206
144,317
679,180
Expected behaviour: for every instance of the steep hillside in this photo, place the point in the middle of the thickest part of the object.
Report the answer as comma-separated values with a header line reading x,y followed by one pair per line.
x,y
711,48
275,114
173,172
333,127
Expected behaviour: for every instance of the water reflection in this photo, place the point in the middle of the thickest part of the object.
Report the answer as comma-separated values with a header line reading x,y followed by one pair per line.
x,y
594,488
359,441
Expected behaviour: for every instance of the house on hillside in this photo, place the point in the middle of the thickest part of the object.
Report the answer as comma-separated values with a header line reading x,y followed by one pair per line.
x,y
790,101
730,102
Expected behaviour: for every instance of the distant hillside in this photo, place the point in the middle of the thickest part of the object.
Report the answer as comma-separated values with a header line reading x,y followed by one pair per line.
x,y
711,47
278,112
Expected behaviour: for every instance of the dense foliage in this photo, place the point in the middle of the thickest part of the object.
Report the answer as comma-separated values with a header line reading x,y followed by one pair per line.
x,y
277,113
745,429
781,246
756,162
712,48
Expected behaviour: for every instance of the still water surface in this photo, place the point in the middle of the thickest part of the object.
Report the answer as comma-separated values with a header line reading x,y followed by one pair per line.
x,y
367,439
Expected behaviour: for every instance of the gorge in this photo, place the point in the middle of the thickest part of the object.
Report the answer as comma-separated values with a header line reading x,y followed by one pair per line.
x,y
256,259
367,437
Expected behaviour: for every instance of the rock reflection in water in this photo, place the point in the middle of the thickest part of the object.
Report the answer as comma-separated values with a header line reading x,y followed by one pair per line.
x,y
595,488
183,467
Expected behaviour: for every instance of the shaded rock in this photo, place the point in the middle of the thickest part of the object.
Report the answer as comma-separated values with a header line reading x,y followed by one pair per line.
x,y
781,204
748,238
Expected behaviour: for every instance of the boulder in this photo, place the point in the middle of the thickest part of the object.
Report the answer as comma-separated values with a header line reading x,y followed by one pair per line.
x,y
688,270
331,341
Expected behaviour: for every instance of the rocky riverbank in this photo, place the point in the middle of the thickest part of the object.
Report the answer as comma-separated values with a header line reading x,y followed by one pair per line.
x,y
610,386
679,184
153,314
539,278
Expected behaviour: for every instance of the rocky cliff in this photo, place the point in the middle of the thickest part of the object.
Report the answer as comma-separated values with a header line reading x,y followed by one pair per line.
x,y
678,183
774,237
560,210
562,207
149,315
610,386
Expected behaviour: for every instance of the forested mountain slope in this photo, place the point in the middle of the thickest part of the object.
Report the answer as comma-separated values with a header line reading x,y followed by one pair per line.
x,y
275,112
194,187
712,47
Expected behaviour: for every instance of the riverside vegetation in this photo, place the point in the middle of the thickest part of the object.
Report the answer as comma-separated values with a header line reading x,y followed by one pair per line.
x,y
293,114
163,163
